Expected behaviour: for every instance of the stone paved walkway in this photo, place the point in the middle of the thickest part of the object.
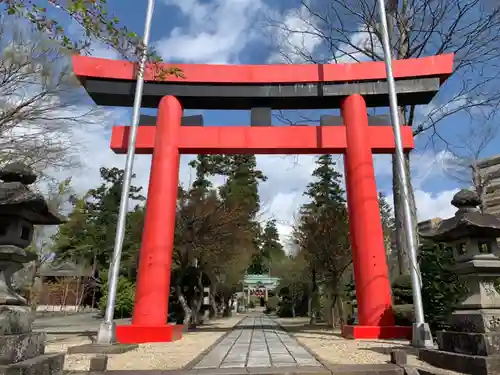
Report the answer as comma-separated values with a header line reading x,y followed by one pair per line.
x,y
257,342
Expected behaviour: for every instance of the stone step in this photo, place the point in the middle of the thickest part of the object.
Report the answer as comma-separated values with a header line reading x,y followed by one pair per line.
x,y
45,364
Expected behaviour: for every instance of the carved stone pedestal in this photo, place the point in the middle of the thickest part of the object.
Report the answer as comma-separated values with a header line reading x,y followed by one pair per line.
x,y
22,352
470,353
472,345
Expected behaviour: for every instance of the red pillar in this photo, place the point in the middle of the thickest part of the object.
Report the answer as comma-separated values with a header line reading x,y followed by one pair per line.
x,y
373,291
149,322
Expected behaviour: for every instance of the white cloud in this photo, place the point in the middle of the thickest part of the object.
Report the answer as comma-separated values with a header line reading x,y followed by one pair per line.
x,y
296,36
216,31
362,40
282,193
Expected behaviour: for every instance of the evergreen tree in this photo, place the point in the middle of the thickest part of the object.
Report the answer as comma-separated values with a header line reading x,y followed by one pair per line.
x,y
271,250
322,233
203,165
89,233
386,214
241,191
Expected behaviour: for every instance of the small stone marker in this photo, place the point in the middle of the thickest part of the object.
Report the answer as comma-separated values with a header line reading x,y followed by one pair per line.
x,y
399,357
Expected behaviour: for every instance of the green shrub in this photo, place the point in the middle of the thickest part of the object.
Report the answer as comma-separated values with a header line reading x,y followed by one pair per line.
x,y
403,315
125,295
284,309
271,304
402,291
441,288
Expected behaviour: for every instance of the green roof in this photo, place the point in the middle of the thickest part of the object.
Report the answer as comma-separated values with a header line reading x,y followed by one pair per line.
x,y
261,279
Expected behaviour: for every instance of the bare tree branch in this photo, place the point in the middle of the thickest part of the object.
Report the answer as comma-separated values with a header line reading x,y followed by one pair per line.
x,y
41,103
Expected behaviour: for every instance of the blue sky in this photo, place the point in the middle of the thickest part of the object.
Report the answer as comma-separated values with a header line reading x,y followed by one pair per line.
x,y
235,32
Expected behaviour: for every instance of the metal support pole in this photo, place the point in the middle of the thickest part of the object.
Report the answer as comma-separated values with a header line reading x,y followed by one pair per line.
x,y
106,333
422,337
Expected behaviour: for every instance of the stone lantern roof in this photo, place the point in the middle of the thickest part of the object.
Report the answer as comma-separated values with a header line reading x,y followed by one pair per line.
x,y
467,222
16,198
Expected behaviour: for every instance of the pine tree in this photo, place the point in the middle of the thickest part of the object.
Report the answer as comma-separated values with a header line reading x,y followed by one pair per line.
x,y
89,234
203,166
270,250
241,191
386,213
322,233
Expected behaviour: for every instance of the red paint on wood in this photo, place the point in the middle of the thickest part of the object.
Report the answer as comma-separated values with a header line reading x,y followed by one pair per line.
x,y
432,66
373,289
261,139
155,258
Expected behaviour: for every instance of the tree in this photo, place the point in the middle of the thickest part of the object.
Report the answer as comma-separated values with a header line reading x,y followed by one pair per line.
x,y
270,249
214,236
40,101
341,31
395,260
58,196
294,284
89,233
209,247
322,232
241,191
442,290
95,21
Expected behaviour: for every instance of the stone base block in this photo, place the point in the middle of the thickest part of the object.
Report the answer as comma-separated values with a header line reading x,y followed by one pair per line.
x,y
373,369
136,334
480,320
464,363
46,364
15,319
377,332
17,348
481,344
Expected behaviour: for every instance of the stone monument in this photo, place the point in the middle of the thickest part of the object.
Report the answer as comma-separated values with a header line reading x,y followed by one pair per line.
x,y
21,350
472,345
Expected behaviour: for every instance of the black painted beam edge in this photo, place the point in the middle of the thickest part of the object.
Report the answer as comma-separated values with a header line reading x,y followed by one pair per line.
x,y
325,120
194,120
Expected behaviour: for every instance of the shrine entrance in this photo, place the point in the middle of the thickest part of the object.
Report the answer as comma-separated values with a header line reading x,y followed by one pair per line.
x,y
260,88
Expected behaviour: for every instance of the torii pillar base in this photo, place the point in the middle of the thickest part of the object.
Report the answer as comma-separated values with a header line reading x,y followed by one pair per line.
x,y
376,332
138,334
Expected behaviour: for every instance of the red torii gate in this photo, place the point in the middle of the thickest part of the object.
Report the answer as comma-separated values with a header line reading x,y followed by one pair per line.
x,y
348,86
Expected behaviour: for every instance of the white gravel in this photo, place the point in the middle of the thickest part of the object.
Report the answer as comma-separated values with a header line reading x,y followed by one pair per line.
x,y
328,345
166,356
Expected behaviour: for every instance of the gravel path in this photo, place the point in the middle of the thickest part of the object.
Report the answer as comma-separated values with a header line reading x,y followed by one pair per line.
x,y
166,356
331,348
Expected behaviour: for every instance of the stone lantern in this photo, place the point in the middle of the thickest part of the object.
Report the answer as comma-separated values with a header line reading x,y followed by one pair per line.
x,y
472,346
20,210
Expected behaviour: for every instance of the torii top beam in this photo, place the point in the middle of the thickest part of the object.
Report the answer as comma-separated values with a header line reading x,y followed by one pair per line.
x,y
111,82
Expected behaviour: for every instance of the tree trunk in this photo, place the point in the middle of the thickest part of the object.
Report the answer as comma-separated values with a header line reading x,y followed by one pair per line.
x,y
213,312
314,289
185,307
